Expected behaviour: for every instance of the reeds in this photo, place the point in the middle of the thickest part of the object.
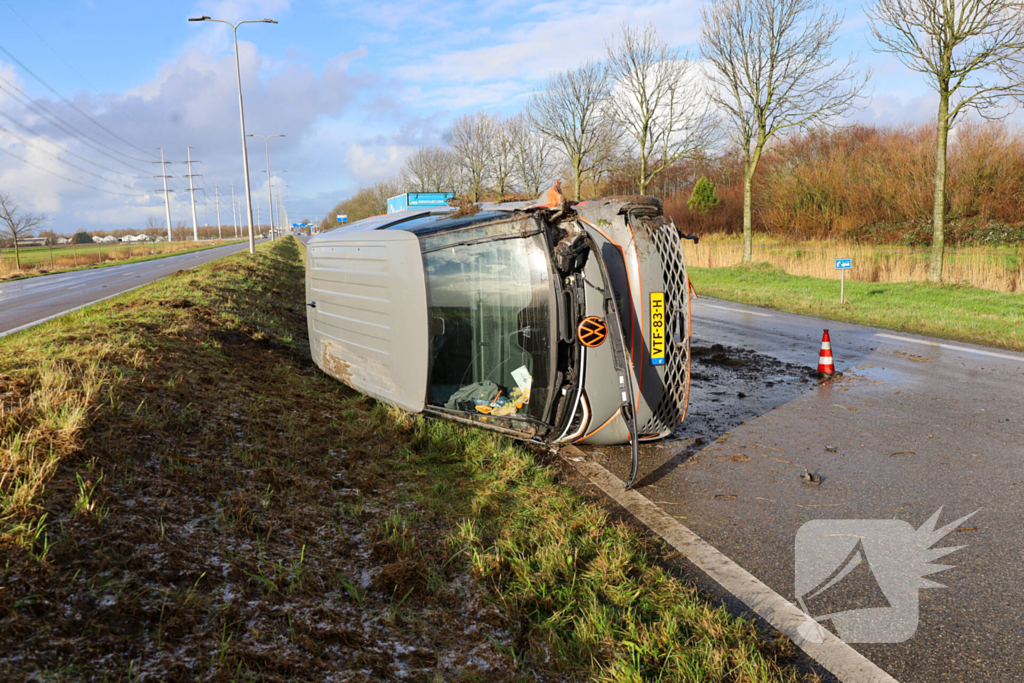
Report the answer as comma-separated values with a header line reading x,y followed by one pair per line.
x,y
1001,270
869,182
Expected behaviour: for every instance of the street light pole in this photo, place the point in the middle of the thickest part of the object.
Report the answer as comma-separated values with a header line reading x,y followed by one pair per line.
x,y
216,195
241,115
192,192
270,184
234,208
266,142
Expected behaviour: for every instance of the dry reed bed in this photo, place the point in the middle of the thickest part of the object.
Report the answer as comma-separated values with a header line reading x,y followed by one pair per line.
x,y
854,181
1001,271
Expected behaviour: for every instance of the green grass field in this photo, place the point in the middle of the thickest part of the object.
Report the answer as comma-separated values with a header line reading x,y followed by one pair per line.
x,y
185,496
956,312
41,255
37,261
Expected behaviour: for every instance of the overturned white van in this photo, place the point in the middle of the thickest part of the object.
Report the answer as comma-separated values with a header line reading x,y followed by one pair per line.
x,y
548,321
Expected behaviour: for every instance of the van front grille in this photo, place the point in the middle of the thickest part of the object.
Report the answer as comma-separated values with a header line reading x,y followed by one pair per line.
x,y
670,409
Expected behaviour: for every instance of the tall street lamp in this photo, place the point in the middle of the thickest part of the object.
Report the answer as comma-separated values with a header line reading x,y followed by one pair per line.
x,y
241,115
270,180
266,142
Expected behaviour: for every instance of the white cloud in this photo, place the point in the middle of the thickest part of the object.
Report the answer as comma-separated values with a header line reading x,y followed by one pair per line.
x,y
560,37
192,101
376,162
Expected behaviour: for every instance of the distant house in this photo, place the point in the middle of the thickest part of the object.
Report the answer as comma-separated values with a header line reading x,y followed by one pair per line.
x,y
63,240
32,242
106,239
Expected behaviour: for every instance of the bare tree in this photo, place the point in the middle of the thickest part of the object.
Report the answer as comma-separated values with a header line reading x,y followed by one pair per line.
x,y
383,190
970,51
531,153
503,159
773,71
17,224
471,140
571,110
429,169
657,103
451,170
153,227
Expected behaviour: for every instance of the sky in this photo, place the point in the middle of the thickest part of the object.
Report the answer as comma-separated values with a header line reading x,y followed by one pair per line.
x,y
89,89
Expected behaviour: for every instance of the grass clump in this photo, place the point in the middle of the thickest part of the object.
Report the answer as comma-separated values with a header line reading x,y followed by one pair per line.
x,y
587,592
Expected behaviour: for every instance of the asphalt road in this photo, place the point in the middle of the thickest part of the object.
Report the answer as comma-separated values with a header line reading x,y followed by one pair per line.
x,y
32,300
911,427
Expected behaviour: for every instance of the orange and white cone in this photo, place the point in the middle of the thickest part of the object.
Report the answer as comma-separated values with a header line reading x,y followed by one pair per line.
x,y
825,364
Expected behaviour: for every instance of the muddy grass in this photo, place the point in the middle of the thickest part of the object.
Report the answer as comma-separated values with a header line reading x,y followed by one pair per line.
x,y
184,496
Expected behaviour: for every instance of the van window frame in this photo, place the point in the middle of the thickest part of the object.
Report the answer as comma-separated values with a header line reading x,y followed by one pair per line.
x,y
510,227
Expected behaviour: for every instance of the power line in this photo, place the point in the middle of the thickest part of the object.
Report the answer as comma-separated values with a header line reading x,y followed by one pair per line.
x,y
29,144
70,66
72,104
65,150
64,126
70,180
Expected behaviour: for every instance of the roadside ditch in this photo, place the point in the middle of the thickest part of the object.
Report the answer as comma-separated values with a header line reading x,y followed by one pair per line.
x,y
184,496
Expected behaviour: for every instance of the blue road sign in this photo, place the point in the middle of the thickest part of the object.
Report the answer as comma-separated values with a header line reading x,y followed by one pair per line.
x,y
844,264
342,217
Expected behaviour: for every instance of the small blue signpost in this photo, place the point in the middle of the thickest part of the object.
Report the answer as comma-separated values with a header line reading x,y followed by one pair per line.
x,y
343,218
843,265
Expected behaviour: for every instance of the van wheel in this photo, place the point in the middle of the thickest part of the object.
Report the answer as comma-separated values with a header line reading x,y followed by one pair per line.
x,y
634,199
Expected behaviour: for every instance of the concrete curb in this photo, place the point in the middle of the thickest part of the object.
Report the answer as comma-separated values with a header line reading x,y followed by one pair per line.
x,y
843,661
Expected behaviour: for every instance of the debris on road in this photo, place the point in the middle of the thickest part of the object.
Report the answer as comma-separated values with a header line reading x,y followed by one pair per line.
x,y
811,478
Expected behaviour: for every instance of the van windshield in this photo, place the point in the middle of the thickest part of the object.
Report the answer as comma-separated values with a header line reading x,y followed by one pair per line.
x,y
492,346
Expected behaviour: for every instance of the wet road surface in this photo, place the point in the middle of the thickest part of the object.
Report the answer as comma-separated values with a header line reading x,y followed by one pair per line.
x,y
914,424
34,299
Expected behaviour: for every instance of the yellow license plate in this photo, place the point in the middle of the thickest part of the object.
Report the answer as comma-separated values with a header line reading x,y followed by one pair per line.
x,y
657,328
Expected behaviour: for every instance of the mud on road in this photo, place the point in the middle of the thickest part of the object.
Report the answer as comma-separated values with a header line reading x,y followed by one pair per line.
x,y
728,386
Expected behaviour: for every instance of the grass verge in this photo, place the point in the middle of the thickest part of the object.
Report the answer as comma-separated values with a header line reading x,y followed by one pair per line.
x,y
955,312
38,267
185,496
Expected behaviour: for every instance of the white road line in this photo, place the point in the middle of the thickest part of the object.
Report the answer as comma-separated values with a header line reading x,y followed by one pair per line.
x,y
735,310
843,661
951,347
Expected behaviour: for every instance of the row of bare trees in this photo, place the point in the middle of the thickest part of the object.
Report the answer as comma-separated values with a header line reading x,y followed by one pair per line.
x,y
769,72
638,112
485,153
773,72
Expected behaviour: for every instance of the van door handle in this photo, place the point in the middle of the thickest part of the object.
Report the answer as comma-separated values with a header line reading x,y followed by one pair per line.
x,y
312,304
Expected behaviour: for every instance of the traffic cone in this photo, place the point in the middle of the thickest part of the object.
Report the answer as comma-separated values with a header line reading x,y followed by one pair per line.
x,y
825,364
